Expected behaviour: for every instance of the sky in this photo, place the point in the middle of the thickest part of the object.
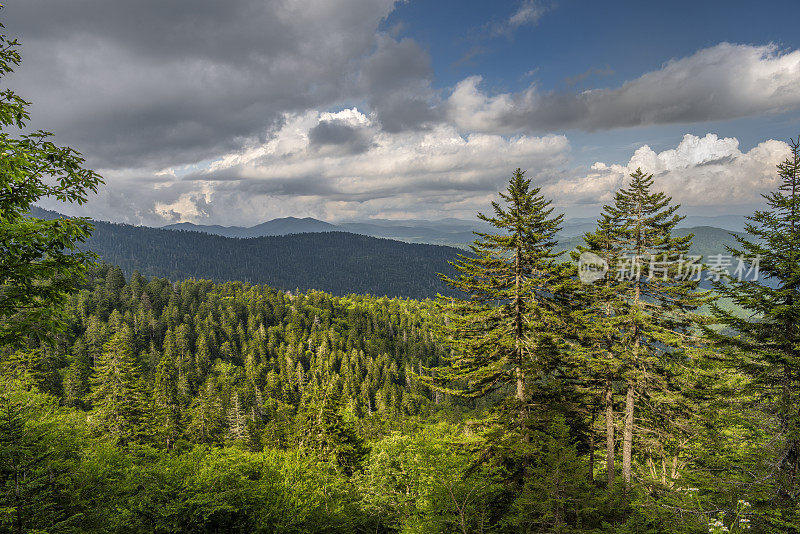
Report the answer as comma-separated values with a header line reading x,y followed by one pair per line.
x,y
242,111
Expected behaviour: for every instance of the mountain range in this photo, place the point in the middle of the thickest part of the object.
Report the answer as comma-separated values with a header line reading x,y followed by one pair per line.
x,y
336,262
311,254
452,232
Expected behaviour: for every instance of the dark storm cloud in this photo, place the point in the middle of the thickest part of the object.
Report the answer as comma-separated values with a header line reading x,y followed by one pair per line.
x,y
156,83
333,133
398,77
339,134
295,186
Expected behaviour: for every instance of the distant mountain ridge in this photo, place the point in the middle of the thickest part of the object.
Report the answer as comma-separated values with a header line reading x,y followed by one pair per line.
x,y
328,259
445,232
282,226
336,262
450,232
707,240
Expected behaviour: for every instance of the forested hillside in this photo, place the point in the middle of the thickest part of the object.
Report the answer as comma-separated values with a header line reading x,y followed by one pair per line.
x,y
444,232
336,262
284,226
332,261
249,352
151,366
568,378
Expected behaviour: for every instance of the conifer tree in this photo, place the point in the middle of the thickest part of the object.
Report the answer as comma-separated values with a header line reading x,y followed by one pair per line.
x,y
595,320
166,399
768,339
32,482
116,394
503,330
644,306
76,381
206,415
321,428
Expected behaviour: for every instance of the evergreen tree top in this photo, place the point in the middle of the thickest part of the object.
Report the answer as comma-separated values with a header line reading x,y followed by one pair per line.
x,y
773,297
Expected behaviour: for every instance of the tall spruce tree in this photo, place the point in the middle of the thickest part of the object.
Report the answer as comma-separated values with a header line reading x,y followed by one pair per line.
x,y
504,331
646,307
116,395
596,321
768,340
167,401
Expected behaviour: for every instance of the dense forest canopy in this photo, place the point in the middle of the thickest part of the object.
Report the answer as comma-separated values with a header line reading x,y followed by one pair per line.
x,y
489,412
336,262
145,404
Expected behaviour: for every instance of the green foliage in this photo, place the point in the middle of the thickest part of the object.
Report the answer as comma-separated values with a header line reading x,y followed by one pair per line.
x,y
321,428
640,319
644,298
429,482
556,496
504,328
38,453
159,363
117,395
765,344
40,261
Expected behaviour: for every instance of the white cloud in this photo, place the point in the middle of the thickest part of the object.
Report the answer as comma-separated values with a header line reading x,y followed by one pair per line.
x,y
434,173
722,82
528,13
700,171
437,173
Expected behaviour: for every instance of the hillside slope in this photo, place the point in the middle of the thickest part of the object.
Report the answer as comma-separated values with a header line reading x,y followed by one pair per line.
x,y
336,262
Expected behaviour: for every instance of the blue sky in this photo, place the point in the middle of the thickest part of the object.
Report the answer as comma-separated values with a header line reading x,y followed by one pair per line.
x,y
242,111
572,37
579,45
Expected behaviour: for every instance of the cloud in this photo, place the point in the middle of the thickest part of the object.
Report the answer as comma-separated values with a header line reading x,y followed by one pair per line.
x,y
344,132
439,172
153,83
700,171
722,82
398,78
528,13
309,168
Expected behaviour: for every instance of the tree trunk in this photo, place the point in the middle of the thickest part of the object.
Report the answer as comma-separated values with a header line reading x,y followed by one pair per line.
x,y
790,461
610,433
591,443
519,373
627,439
